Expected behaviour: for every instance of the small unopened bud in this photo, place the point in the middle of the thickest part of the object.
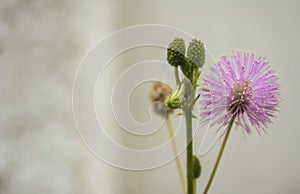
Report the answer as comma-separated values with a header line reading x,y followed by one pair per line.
x,y
182,96
196,53
174,101
196,167
176,52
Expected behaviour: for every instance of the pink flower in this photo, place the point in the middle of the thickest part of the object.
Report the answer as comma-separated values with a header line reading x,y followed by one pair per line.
x,y
244,86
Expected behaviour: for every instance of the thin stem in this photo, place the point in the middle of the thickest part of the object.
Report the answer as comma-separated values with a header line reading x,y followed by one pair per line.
x,y
195,185
176,75
189,153
220,155
175,152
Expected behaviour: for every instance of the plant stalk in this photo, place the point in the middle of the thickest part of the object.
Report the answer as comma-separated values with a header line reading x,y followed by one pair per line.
x,y
176,75
189,152
219,155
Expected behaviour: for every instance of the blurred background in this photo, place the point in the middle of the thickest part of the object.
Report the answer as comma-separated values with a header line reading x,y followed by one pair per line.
x,y
41,46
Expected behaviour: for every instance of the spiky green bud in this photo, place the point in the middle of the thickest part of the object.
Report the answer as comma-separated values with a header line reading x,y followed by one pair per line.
x,y
176,52
196,53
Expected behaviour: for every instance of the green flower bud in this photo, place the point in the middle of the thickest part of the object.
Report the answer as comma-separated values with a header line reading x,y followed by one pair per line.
x,y
176,52
196,53
174,101
182,96
196,167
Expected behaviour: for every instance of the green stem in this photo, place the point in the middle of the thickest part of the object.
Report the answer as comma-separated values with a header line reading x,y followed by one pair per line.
x,y
195,185
189,153
176,75
220,155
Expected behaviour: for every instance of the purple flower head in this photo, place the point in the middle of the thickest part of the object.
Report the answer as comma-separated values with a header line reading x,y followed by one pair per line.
x,y
244,86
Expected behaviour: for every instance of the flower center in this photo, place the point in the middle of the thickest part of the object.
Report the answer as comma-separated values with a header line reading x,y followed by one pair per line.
x,y
240,93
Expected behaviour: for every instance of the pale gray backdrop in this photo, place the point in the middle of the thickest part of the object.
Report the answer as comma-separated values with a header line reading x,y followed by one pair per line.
x,y
41,46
